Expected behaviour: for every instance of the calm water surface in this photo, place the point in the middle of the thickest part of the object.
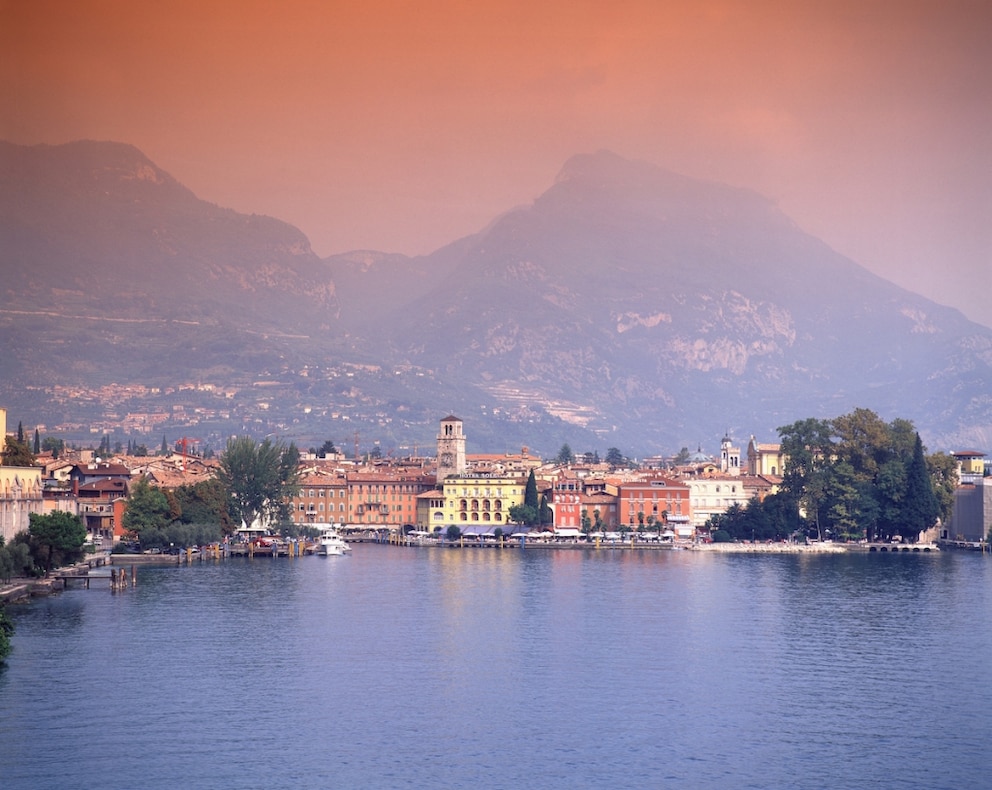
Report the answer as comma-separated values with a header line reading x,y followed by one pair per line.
x,y
426,668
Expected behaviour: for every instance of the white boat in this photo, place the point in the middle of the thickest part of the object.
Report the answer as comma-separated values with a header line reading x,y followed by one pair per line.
x,y
332,544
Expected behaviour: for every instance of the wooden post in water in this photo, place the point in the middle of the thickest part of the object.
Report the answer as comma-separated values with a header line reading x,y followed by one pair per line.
x,y
134,577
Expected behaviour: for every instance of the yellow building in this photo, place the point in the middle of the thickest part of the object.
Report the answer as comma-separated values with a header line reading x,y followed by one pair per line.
x,y
20,492
20,495
473,502
765,459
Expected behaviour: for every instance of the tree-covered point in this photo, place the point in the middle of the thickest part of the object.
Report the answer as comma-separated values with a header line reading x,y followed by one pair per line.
x,y
859,477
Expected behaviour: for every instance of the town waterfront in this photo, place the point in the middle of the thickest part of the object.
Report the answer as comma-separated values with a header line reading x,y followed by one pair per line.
x,y
427,667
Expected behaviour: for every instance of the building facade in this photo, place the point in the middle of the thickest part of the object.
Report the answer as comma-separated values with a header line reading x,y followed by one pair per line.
x,y
475,501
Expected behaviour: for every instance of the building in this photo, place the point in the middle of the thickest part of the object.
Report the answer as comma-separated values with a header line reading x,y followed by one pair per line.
x,y
655,500
20,496
20,492
730,457
476,503
322,498
765,459
385,499
714,494
971,518
450,448
566,503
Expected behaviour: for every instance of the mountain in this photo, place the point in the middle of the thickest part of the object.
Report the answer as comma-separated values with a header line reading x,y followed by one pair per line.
x,y
88,221
646,305
628,306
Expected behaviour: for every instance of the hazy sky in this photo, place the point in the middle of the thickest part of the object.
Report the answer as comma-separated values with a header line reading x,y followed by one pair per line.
x,y
400,126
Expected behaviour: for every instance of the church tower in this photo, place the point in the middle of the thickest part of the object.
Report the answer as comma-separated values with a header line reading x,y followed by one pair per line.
x,y
450,448
730,457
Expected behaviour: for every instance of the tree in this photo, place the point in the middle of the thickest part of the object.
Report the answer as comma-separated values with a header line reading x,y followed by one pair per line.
x,y
260,479
545,516
808,448
525,514
943,470
586,521
61,533
17,453
920,506
6,631
453,532
203,503
530,492
614,457
37,442
682,457
565,456
327,448
864,441
55,446
147,508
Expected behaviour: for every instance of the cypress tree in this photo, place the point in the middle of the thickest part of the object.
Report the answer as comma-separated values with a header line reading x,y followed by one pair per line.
x,y
920,507
530,493
37,442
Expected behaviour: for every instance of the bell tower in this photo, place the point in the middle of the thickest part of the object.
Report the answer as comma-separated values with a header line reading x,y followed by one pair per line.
x,y
730,457
450,448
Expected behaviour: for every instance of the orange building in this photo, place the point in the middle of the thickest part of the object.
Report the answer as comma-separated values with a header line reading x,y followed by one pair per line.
x,y
653,500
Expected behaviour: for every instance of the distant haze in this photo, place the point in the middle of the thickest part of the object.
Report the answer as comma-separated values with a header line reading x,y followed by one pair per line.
x,y
402,126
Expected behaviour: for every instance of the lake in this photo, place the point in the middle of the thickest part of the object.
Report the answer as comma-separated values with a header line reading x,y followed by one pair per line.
x,y
424,668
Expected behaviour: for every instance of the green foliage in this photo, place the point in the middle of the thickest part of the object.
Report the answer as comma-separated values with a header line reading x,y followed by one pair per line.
x,y
721,536
147,509
61,534
943,471
565,455
179,534
857,476
204,503
525,514
15,557
260,479
774,518
55,446
453,533
17,453
530,492
6,632
615,458
545,514
920,506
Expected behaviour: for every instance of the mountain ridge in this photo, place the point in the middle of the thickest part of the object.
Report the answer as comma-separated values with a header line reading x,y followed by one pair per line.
x,y
625,305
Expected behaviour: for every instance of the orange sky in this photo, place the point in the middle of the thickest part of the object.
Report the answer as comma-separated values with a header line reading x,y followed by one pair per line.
x,y
400,126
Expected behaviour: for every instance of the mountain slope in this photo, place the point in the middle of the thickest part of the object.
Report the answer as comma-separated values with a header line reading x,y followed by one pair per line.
x,y
663,304
628,306
88,221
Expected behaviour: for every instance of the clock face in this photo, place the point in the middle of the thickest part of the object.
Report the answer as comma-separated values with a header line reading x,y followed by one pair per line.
x,y
446,459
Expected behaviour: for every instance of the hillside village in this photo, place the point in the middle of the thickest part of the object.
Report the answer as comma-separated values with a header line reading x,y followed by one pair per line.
x,y
658,499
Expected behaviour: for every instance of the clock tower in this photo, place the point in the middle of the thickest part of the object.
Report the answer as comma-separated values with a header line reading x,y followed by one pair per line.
x,y
450,448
